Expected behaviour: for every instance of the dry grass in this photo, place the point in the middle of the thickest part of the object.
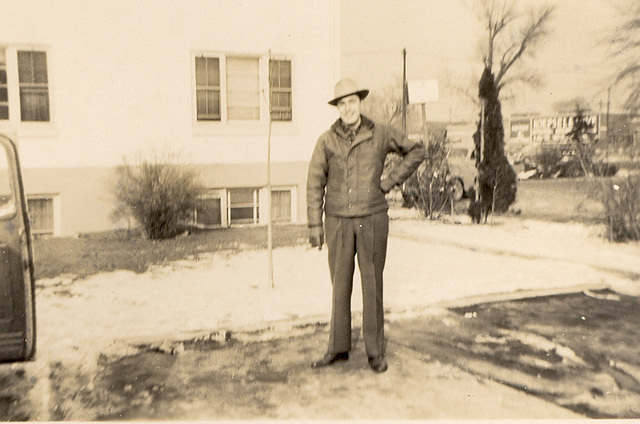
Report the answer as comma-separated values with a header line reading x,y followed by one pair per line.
x,y
99,252
558,200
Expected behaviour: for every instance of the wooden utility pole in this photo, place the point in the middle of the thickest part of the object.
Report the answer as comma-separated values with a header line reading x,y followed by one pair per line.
x,y
269,218
608,106
481,150
404,91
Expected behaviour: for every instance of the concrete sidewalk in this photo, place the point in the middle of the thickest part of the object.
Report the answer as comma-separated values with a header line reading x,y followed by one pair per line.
x,y
532,239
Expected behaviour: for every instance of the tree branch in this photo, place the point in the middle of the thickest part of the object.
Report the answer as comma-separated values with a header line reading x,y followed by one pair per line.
x,y
625,43
534,31
496,23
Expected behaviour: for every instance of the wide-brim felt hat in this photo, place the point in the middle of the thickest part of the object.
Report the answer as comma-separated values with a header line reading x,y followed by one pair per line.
x,y
347,87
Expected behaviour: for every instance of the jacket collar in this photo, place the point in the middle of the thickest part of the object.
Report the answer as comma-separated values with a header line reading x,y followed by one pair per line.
x,y
366,125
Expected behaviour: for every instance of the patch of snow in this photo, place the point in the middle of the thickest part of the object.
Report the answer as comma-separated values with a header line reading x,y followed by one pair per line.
x,y
427,263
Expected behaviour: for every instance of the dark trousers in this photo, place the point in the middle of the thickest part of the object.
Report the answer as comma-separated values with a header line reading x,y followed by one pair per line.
x,y
367,237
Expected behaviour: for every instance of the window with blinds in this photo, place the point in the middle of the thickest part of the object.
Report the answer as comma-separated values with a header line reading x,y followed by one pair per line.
x,y
281,90
243,89
228,88
208,88
244,206
41,214
281,205
34,86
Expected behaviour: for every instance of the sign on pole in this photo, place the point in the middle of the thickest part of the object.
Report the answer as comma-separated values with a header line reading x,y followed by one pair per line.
x,y
423,91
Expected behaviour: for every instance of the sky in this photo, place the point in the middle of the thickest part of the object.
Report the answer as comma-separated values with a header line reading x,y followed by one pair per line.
x,y
442,41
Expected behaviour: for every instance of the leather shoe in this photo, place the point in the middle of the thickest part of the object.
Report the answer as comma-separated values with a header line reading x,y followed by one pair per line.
x,y
378,364
330,358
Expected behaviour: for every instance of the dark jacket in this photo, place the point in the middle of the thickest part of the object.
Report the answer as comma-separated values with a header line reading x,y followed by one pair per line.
x,y
344,176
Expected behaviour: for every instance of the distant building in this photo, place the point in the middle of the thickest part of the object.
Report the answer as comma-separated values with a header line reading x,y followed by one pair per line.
x,y
83,84
527,132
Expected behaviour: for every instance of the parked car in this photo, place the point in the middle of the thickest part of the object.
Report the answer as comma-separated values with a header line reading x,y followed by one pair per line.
x,y
564,166
17,283
462,165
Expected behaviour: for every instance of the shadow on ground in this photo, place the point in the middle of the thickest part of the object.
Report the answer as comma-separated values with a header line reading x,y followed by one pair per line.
x,y
579,351
550,357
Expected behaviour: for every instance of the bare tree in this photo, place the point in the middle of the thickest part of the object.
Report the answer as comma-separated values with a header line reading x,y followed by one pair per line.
x,y
385,105
464,88
509,37
512,36
625,46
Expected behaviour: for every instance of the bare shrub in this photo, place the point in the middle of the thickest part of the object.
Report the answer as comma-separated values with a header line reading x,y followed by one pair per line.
x,y
621,200
429,188
158,192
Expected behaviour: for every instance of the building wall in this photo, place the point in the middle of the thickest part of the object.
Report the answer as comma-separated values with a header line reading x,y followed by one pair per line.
x,y
121,83
83,200
81,196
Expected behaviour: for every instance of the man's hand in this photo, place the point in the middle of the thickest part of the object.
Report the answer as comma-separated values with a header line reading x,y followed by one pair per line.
x,y
316,236
386,185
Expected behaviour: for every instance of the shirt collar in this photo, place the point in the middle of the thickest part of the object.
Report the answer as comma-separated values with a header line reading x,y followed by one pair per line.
x,y
348,134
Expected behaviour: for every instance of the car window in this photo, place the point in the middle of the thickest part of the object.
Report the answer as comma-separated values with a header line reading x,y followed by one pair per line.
x,y
458,152
7,200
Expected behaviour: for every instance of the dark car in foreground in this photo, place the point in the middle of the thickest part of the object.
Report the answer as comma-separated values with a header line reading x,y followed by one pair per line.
x,y
17,284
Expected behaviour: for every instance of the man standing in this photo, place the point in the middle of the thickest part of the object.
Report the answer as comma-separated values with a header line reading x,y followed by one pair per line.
x,y
344,180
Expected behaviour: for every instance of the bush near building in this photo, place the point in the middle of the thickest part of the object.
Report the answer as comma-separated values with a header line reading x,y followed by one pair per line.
x,y
158,193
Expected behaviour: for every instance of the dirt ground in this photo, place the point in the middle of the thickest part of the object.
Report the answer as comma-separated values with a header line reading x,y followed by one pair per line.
x,y
578,351
552,357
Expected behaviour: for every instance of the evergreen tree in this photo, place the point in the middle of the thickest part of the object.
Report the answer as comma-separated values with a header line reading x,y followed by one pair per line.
x,y
497,182
583,141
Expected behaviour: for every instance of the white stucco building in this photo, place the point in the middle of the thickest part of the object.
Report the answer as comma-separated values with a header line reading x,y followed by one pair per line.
x,y
85,83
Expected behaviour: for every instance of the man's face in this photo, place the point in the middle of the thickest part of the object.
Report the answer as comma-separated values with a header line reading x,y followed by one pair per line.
x,y
349,109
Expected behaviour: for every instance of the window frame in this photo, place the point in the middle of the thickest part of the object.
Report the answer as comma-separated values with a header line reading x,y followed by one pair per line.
x,y
55,211
258,206
15,125
31,87
255,205
220,194
280,90
208,88
203,126
240,58
292,199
